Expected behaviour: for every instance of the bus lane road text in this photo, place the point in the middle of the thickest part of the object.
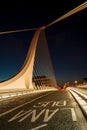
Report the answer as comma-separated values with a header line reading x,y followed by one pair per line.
x,y
47,109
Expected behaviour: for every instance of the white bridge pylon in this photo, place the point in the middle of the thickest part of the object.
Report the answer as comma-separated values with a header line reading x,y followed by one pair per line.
x,y
23,79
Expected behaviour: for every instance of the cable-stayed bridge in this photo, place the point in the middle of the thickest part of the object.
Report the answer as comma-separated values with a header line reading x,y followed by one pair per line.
x,y
21,106
37,65
37,70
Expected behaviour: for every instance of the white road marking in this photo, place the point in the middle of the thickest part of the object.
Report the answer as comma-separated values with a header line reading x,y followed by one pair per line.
x,y
38,127
42,104
19,114
64,103
58,103
13,109
73,114
46,117
34,115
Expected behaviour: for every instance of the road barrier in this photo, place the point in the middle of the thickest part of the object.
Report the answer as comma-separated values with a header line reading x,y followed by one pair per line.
x,y
81,99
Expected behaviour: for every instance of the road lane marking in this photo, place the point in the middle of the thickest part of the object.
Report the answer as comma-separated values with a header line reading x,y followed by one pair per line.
x,y
47,117
13,109
73,114
42,104
19,114
22,115
34,116
38,127
51,103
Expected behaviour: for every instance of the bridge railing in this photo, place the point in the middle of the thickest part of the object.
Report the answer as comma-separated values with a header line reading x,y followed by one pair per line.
x,y
6,95
80,97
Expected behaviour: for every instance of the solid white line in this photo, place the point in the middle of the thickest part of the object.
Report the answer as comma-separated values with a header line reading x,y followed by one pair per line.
x,y
72,112
13,109
36,128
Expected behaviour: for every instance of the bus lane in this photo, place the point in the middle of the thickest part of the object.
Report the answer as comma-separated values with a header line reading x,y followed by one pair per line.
x,y
49,112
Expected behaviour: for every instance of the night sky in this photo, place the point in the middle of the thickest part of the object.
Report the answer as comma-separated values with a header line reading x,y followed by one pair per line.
x,y
67,39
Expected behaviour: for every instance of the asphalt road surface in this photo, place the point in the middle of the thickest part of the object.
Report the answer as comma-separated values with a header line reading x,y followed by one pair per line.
x,y
54,110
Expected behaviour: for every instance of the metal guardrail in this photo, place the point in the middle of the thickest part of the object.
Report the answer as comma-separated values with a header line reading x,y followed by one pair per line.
x,y
81,99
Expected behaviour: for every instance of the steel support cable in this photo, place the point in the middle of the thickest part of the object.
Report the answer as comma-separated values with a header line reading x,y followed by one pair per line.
x,y
43,58
38,65
73,11
36,74
38,71
33,80
39,58
13,31
48,60
36,80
